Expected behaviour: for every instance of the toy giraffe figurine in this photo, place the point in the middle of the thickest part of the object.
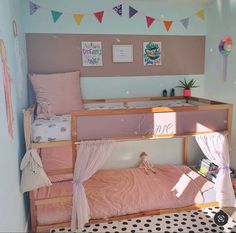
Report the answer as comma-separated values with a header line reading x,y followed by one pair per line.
x,y
145,164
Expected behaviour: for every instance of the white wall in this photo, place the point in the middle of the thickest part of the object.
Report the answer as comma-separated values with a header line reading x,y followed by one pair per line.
x,y
221,22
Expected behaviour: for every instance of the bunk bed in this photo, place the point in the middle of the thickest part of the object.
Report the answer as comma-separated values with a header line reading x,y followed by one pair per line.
x,y
118,120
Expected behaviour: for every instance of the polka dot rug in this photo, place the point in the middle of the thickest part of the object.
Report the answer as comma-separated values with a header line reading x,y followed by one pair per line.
x,y
189,221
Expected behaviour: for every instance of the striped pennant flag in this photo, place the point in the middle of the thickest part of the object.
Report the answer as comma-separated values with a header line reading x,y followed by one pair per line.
x,y
33,7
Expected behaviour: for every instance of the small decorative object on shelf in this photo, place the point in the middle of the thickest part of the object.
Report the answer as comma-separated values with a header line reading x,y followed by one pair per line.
x,y
164,93
187,86
172,92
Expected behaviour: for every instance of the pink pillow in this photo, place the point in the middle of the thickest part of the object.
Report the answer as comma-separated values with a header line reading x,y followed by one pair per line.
x,y
61,91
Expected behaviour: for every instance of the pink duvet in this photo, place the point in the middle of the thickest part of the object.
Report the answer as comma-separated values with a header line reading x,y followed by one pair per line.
x,y
124,191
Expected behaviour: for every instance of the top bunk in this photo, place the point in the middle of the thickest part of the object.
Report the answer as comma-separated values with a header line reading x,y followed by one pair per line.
x,y
129,119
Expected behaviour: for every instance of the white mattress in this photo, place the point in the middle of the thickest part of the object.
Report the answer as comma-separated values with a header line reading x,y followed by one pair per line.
x,y
55,129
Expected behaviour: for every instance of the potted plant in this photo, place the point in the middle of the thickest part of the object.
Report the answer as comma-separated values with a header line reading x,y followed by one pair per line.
x,y
187,86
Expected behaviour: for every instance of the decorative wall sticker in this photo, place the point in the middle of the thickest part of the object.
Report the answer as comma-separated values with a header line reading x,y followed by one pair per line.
x,y
91,53
33,7
7,80
132,12
78,18
19,54
99,16
167,24
118,9
56,15
185,22
225,48
152,53
149,21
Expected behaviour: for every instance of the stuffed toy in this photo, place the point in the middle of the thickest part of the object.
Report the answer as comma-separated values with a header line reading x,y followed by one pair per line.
x,y
145,164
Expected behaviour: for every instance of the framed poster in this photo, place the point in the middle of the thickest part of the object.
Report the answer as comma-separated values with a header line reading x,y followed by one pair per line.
x,y
151,53
122,53
91,53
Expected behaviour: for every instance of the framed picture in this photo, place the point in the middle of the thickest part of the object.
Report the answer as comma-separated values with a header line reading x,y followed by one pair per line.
x,y
122,53
151,53
91,53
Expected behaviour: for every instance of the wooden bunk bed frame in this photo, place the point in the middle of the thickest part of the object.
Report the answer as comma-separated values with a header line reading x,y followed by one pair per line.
x,y
210,105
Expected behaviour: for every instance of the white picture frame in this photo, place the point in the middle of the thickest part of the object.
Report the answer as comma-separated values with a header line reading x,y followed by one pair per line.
x,y
122,53
91,53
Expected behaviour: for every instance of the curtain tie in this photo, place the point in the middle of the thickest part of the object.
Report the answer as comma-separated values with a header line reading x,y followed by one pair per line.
x,y
77,183
225,168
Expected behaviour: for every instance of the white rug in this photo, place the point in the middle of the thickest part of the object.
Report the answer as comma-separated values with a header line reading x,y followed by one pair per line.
x,y
189,221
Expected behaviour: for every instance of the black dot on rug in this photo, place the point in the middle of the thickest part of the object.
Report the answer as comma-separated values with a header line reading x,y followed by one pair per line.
x,y
194,225
200,230
146,225
159,219
184,214
168,227
95,229
176,215
110,222
148,220
141,229
87,226
158,228
193,220
188,227
138,220
167,222
203,223
213,230
185,219
132,231
175,224
62,229
180,229
166,232
213,225
114,227
84,230
157,224
176,220
107,231
134,225
125,223
183,223
167,216
116,232
191,232
97,225
104,227
124,229
149,230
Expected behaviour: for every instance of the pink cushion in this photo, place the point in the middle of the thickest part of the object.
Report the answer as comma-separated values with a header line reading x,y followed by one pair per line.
x,y
61,91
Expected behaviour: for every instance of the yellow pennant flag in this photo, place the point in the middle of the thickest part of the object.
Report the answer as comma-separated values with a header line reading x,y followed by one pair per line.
x,y
201,14
78,18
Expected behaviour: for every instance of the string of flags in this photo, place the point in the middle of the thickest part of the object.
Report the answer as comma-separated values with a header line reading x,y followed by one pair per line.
x,y
78,17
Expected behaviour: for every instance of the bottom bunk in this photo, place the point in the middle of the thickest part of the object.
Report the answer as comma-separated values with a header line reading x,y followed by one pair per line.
x,y
122,193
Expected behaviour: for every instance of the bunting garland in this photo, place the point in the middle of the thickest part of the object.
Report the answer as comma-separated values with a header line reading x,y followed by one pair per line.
x,y
78,17
33,7
118,9
185,22
56,15
167,24
132,12
99,16
149,21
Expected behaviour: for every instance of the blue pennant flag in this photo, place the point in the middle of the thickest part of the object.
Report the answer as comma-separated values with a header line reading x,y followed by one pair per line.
x,y
132,12
185,22
56,15
33,7
118,9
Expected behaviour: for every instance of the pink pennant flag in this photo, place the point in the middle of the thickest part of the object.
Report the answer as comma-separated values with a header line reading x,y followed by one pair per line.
x,y
149,21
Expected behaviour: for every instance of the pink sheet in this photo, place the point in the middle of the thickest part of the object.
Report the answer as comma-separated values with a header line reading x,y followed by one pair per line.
x,y
124,191
57,158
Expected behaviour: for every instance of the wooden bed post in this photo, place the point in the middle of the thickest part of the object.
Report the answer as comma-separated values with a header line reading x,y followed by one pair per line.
x,y
185,151
229,122
33,212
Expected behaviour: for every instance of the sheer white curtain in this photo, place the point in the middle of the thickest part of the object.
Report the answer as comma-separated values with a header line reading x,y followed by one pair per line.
x,y
215,147
90,157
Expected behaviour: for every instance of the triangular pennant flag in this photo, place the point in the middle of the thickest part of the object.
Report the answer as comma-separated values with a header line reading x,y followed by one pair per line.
x,y
149,21
168,24
200,14
99,15
118,9
132,12
56,15
78,18
185,22
33,7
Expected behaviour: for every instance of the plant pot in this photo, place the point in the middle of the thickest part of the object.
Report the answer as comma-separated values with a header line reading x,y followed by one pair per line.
x,y
187,92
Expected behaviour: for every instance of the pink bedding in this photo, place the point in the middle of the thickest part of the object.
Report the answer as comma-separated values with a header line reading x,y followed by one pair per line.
x,y
123,191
